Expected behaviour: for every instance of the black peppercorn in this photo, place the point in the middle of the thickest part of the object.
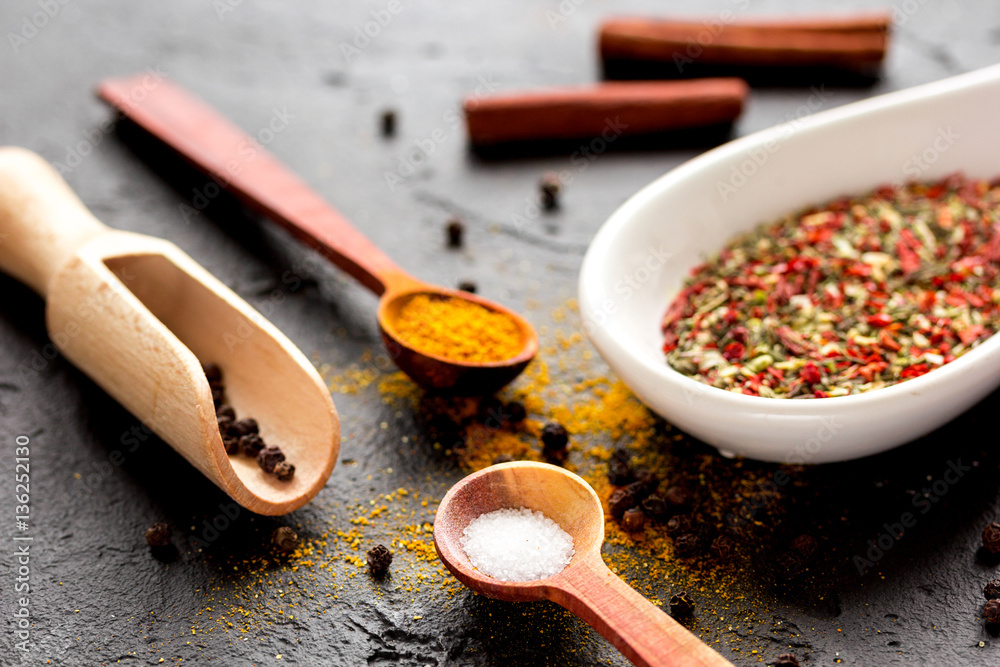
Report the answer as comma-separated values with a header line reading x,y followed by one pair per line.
x,y
456,232
622,454
554,436
502,458
991,538
284,471
621,500
805,546
678,525
633,520
379,559
246,426
467,286
490,412
387,122
786,660
640,490
218,396
723,547
681,605
231,444
285,538
269,457
645,482
516,412
619,472
991,612
687,545
159,534
213,373
654,507
992,590
549,186
250,444
677,498
225,413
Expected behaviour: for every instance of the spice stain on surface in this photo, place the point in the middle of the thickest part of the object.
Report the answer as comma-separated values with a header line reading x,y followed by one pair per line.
x,y
457,329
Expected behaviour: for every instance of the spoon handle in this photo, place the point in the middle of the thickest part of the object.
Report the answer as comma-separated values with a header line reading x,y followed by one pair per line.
x,y
241,165
42,221
636,627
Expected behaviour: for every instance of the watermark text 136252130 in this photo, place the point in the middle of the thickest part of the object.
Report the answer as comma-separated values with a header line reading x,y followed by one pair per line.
x,y
22,544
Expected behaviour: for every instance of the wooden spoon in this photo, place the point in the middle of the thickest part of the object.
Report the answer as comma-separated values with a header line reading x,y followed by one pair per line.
x,y
217,147
136,314
644,634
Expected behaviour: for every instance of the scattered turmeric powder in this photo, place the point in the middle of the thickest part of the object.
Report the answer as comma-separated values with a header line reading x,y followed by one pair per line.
x,y
457,329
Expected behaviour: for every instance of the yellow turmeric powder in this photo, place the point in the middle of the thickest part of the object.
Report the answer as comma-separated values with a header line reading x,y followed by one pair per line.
x,y
457,329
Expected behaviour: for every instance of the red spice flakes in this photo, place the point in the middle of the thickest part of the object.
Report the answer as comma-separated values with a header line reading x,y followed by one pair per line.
x,y
857,295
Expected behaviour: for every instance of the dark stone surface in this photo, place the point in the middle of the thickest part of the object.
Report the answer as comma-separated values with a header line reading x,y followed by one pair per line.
x,y
98,595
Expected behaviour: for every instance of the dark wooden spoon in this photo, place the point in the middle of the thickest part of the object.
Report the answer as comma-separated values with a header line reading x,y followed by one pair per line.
x,y
220,149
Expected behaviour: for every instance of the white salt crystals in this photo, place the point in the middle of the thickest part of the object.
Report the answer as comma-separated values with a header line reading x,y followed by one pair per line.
x,y
517,545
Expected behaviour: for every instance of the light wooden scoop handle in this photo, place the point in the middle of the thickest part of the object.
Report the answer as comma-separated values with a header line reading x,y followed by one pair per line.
x,y
642,632
42,222
220,149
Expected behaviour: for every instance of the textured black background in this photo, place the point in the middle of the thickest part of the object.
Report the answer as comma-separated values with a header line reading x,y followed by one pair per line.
x,y
920,606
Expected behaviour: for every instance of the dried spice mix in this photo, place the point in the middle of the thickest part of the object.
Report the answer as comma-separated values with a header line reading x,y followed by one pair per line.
x,y
856,295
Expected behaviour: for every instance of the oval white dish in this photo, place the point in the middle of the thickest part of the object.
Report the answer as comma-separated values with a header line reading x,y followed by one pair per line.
x,y
639,258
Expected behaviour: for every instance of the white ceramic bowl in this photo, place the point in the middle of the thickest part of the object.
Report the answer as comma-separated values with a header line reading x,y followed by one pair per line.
x,y
637,261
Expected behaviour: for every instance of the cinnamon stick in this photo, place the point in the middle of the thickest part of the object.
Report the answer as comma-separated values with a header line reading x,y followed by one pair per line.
x,y
852,42
610,109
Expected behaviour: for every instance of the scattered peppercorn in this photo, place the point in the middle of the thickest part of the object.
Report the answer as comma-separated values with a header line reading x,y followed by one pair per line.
x,y
502,458
218,396
159,534
991,612
786,660
645,482
456,232
246,426
991,538
554,437
231,444
516,412
677,498
655,508
621,500
681,605
284,471
549,186
269,457
387,122
992,590
633,520
379,559
285,538
213,373
225,413
687,545
723,547
491,412
467,286
679,524
619,472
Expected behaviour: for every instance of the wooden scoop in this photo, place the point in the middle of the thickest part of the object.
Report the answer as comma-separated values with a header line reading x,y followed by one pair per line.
x,y
220,149
136,315
644,634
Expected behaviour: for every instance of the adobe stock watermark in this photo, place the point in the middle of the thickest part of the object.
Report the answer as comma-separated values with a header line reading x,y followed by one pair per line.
x,y
31,24
923,503
369,31
247,151
223,7
423,149
580,159
918,163
706,36
22,540
92,138
740,174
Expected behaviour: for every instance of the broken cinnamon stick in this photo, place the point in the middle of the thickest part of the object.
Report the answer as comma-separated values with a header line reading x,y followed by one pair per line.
x,y
851,42
609,109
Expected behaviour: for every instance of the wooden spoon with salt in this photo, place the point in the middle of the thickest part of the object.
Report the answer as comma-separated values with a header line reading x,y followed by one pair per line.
x,y
644,634
220,149
140,317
